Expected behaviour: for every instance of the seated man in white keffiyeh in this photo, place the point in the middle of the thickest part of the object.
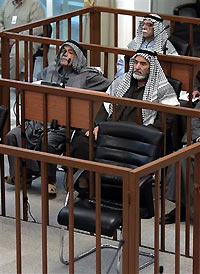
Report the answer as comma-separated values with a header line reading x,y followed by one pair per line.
x,y
151,34
145,80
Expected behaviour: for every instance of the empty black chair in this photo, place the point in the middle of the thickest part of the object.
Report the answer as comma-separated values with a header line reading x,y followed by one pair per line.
x,y
122,144
182,30
181,46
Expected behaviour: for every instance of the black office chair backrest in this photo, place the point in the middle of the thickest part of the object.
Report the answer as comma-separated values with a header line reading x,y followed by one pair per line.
x,y
176,84
128,145
181,46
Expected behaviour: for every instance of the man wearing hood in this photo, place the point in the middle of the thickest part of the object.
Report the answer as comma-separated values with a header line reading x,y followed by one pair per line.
x,y
70,70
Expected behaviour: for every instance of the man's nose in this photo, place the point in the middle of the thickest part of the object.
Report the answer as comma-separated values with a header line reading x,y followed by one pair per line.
x,y
137,66
65,53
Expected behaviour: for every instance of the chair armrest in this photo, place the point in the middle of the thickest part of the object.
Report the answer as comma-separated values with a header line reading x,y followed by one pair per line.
x,y
146,179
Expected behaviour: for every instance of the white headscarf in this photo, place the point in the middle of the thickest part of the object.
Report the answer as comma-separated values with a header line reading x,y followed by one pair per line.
x,y
160,35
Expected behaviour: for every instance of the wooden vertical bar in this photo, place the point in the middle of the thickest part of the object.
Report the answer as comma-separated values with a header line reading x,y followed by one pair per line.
x,y
115,39
163,186
68,125
91,147
18,218
17,72
115,30
91,127
57,34
106,64
196,230
133,27
191,39
80,28
177,226
98,222
187,196
139,116
126,211
17,94
44,218
156,224
45,47
18,78
69,25
5,70
95,36
26,60
133,224
45,147
23,161
191,77
172,23
30,58
71,220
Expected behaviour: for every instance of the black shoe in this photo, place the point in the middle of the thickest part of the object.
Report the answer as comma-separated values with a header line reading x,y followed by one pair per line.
x,y
170,218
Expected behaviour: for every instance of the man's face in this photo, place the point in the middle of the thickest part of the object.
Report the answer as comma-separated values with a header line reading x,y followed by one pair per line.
x,y
147,29
67,56
141,68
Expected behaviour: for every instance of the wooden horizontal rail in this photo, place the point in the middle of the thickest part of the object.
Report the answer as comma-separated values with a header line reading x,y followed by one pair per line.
x,y
96,96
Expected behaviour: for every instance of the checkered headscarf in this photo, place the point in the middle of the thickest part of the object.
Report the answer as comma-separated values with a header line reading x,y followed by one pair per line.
x,y
157,88
160,34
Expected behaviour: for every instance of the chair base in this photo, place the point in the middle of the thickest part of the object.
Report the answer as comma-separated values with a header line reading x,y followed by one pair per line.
x,y
93,249
82,255
149,255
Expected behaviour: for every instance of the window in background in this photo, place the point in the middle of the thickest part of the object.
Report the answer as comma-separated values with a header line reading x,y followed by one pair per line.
x,y
56,7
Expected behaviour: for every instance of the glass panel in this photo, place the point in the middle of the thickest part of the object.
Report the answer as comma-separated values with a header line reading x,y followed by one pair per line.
x,y
64,6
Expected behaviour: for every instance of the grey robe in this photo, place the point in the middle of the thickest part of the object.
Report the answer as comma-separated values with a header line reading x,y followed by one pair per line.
x,y
88,78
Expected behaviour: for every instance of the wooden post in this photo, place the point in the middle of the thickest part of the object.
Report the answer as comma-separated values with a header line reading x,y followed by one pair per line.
x,y
95,36
5,91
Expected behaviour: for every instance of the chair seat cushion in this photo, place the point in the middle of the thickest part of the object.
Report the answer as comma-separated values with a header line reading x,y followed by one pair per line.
x,y
84,217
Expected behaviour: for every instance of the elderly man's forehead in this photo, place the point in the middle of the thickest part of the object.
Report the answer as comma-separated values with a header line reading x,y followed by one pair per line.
x,y
67,47
147,21
141,59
